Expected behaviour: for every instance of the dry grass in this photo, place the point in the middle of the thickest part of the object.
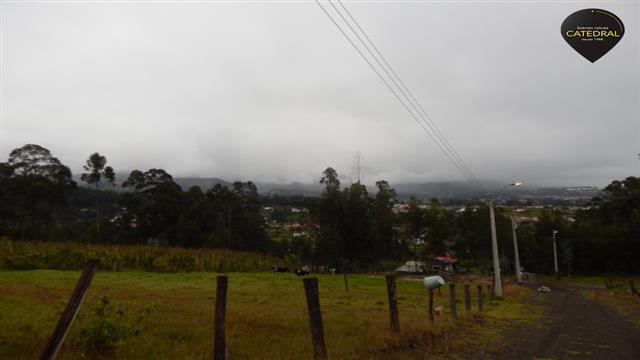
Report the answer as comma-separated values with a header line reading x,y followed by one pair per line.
x,y
266,317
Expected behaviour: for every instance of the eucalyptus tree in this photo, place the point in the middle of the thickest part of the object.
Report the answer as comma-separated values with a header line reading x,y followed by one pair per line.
x,y
384,220
154,207
33,183
96,174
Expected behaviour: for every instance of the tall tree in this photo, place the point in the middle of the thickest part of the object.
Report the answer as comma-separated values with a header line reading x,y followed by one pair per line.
x,y
36,181
384,218
415,227
330,246
357,225
438,227
96,173
155,205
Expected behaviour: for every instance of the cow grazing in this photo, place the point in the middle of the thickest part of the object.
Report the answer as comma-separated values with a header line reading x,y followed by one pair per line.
x,y
280,269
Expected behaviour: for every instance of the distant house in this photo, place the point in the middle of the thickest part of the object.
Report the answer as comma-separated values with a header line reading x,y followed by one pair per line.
x,y
293,227
448,262
433,264
525,219
411,267
400,208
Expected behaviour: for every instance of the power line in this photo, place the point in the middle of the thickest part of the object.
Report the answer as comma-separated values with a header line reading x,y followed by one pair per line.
x,y
429,123
441,143
414,101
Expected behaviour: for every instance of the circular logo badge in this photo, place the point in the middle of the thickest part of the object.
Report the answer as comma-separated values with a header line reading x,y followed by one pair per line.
x,y
592,32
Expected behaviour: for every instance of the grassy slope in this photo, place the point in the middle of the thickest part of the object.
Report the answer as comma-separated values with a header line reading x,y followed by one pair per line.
x,y
618,299
266,317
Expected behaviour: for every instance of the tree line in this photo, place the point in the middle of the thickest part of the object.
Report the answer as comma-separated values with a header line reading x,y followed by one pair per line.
x,y
345,226
36,191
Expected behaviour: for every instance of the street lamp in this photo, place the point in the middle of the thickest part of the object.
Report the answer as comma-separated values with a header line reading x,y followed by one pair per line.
x,y
555,253
497,285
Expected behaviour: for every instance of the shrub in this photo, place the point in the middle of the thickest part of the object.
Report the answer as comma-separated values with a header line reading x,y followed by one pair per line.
x,y
109,328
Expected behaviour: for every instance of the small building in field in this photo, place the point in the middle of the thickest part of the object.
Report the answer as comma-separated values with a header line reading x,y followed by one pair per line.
x,y
412,267
447,263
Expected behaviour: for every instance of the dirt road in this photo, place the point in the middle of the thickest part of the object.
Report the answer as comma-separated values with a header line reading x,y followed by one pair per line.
x,y
575,328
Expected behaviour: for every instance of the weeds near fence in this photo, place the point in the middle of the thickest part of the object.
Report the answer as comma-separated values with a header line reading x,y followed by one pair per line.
x,y
109,327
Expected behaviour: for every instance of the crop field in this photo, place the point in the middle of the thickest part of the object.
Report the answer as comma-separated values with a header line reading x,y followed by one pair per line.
x,y
29,255
169,316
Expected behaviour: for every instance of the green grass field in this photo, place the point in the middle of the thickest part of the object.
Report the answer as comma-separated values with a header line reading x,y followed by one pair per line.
x,y
266,317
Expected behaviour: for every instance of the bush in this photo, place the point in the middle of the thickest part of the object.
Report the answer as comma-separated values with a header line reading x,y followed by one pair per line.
x,y
109,328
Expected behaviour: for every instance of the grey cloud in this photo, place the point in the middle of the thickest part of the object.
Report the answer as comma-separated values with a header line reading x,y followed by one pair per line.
x,y
272,92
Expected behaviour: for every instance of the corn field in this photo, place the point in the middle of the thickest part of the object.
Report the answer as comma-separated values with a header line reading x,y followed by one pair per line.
x,y
24,255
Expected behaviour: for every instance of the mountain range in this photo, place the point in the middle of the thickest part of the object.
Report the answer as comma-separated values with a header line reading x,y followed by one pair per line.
x,y
440,189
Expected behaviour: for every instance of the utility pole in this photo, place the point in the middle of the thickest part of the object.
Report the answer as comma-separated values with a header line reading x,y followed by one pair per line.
x,y
497,285
515,249
357,165
229,232
497,280
555,253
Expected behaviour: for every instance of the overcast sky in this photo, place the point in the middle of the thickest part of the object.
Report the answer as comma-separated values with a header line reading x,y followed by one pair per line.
x,y
273,91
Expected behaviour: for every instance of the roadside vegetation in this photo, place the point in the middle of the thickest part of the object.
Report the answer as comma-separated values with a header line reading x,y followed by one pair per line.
x,y
619,297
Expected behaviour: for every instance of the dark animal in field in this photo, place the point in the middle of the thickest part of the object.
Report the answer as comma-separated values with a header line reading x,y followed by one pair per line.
x,y
302,272
280,269
332,271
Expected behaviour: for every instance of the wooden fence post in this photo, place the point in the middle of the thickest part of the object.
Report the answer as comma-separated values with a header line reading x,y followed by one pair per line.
x,y
452,301
346,283
70,311
633,289
479,297
219,344
467,298
393,303
431,317
315,318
